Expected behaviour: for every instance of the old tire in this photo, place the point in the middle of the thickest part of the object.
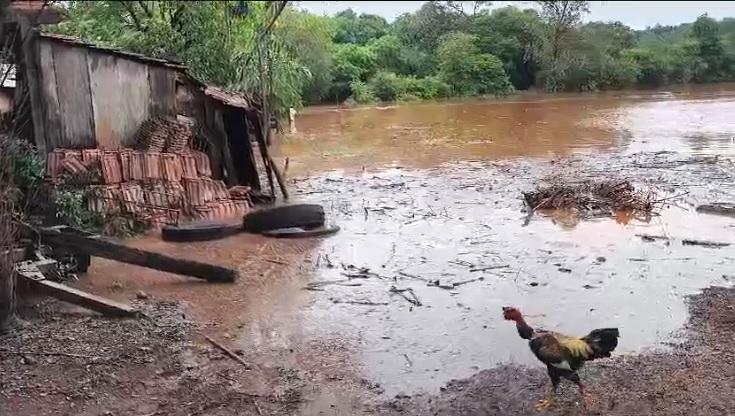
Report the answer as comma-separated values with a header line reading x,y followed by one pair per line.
x,y
287,216
299,232
198,231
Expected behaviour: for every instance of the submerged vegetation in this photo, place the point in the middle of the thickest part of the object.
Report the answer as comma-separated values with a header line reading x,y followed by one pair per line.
x,y
444,49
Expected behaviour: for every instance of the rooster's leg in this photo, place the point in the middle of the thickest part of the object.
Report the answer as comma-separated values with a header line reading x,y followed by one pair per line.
x,y
587,399
548,401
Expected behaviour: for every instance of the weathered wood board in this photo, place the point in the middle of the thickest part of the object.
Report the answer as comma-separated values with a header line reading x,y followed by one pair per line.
x,y
103,76
73,90
33,277
134,98
163,91
52,112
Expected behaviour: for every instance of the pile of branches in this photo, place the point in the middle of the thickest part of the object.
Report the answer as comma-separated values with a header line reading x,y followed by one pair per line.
x,y
593,198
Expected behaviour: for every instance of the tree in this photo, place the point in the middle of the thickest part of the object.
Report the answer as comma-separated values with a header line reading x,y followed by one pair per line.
x,y
424,27
458,7
352,28
198,33
388,53
351,63
608,38
561,17
308,38
514,36
395,56
705,32
466,70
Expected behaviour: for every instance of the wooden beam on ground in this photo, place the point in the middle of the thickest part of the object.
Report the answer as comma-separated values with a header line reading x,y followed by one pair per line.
x,y
95,245
31,274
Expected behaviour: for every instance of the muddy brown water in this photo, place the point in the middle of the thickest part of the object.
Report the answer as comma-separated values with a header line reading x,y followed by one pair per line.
x,y
691,119
431,191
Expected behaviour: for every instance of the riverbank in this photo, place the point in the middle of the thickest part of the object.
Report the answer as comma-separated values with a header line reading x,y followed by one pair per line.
x,y
532,95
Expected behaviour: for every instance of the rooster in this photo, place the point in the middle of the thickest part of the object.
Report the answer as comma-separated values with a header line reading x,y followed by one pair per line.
x,y
563,355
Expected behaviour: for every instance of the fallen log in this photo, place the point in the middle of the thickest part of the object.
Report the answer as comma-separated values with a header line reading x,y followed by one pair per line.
x,y
98,246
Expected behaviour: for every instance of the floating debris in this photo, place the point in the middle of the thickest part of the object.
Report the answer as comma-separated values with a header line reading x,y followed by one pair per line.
x,y
593,199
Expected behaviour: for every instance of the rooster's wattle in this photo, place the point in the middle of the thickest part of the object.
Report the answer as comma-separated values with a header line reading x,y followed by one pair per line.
x,y
563,355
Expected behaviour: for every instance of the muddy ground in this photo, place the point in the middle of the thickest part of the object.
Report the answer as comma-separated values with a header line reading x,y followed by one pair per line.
x,y
150,367
696,378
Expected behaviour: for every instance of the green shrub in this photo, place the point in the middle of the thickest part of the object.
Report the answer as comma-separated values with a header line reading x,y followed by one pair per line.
x,y
362,92
387,86
408,97
430,88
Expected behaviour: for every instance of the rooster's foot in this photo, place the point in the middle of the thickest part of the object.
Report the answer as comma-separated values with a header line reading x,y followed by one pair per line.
x,y
544,404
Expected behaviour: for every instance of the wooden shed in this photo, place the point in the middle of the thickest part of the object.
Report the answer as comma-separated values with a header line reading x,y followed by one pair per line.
x,y
97,97
88,96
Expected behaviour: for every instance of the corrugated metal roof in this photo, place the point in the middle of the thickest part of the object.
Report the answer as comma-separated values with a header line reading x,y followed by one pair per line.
x,y
74,41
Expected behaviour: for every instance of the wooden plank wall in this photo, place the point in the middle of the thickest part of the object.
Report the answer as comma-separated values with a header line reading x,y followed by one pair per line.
x,y
135,98
97,99
73,93
108,126
163,91
52,113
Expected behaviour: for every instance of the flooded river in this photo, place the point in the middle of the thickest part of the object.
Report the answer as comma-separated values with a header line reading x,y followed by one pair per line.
x,y
432,192
696,119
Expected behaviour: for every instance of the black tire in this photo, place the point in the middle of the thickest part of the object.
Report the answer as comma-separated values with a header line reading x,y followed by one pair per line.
x,y
198,231
298,232
287,216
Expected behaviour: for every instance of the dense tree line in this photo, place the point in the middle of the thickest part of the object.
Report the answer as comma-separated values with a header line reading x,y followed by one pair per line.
x,y
444,49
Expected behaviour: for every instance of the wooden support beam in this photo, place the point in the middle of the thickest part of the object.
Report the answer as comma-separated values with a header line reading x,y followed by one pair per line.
x,y
95,245
31,274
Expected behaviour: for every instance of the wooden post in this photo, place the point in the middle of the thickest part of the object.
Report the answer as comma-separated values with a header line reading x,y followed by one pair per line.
x,y
7,289
95,245
279,178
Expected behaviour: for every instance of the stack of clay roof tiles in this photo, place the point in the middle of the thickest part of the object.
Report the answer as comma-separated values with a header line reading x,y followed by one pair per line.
x,y
151,183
